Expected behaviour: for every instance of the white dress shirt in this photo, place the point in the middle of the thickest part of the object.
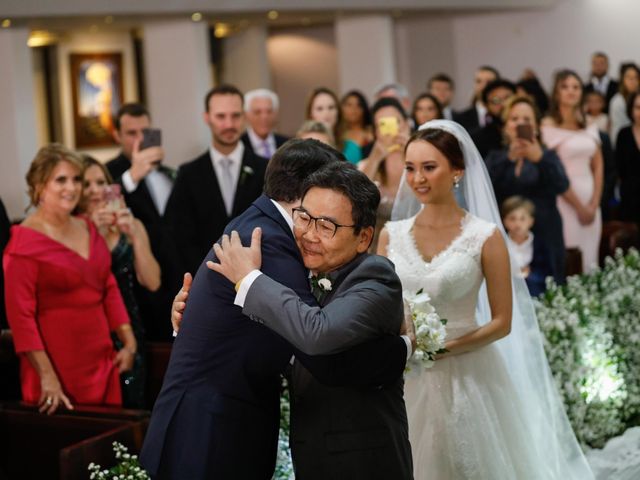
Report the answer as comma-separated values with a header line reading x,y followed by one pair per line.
x,y
482,113
158,184
258,143
236,164
601,84
523,252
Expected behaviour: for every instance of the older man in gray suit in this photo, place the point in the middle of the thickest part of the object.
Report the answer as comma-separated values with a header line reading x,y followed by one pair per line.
x,y
336,432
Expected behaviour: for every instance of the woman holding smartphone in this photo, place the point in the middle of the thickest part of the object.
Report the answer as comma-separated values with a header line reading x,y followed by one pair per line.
x,y
525,168
131,260
385,163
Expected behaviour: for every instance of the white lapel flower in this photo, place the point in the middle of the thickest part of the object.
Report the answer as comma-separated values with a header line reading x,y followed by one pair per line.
x,y
325,284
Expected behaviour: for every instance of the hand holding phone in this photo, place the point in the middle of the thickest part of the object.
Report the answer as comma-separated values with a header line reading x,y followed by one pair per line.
x,y
151,137
388,126
525,132
111,197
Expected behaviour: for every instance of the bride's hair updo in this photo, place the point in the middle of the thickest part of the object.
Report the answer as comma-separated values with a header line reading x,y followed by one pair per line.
x,y
444,141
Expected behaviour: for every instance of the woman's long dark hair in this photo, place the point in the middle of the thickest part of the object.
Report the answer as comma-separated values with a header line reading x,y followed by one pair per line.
x,y
367,119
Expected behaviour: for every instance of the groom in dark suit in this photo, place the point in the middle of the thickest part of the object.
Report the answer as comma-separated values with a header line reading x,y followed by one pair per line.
x,y
218,185
217,414
339,431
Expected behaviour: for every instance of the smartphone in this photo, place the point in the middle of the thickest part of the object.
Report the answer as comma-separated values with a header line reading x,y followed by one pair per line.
x,y
111,196
151,137
524,131
388,126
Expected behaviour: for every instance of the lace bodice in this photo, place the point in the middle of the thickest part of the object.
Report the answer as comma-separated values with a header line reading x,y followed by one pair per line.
x,y
452,278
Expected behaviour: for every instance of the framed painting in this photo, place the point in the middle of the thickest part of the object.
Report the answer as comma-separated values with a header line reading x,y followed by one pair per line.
x,y
97,85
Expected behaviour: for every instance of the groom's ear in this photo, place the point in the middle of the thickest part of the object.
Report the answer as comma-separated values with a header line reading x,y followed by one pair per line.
x,y
365,238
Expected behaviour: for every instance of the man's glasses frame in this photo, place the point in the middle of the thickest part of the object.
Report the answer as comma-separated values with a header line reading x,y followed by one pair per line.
x,y
325,227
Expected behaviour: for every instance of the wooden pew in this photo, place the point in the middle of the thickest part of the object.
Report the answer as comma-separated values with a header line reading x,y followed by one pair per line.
x,y
61,446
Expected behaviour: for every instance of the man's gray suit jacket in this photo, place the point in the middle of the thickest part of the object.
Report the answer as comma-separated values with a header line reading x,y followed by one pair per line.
x,y
341,432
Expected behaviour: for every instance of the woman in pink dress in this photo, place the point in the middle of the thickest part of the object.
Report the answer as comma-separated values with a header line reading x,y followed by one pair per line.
x,y
578,147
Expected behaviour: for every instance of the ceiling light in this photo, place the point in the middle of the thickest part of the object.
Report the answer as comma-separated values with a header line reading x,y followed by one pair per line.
x,y
108,19
196,17
6,23
273,15
222,30
41,38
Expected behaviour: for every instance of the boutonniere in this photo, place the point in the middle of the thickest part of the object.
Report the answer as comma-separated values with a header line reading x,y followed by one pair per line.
x,y
246,172
321,285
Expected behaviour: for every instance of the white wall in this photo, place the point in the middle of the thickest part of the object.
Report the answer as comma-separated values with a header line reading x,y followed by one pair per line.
x,y
564,36
301,59
81,42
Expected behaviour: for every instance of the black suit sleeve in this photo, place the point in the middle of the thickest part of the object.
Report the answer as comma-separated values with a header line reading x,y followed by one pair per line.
x,y
375,363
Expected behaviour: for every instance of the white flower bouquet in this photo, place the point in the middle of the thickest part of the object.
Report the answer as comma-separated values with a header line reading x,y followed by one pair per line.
x,y
430,329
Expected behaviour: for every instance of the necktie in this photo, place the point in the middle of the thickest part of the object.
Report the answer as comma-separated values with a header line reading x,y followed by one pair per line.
x,y
266,149
227,187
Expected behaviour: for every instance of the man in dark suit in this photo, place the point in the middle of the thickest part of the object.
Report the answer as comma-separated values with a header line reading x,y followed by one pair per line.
x,y
599,79
340,431
494,96
261,109
217,414
475,117
147,185
218,185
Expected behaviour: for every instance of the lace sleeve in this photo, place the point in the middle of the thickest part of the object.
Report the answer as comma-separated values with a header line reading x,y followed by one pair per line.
x,y
478,232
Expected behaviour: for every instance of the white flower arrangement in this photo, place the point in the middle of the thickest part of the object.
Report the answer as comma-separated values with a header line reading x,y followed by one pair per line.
x,y
430,329
127,469
591,329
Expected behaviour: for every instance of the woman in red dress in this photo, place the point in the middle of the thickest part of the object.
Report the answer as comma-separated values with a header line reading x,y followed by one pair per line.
x,y
62,299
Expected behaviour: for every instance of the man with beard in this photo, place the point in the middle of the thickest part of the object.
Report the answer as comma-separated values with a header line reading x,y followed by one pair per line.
x,y
218,185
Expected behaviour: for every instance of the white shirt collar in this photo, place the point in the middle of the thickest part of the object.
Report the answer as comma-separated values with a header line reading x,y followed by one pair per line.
x,y
284,214
482,113
258,143
235,156
523,252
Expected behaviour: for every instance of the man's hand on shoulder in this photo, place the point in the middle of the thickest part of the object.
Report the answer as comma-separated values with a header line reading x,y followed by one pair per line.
x,y
234,260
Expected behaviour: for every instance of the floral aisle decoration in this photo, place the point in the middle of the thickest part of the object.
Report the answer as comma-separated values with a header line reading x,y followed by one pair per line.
x,y
591,329
284,465
127,468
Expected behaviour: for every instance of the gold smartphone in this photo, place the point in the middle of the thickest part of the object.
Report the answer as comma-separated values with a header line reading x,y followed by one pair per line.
x,y
388,126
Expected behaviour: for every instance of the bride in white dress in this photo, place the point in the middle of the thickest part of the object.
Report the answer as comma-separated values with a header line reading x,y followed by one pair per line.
x,y
488,409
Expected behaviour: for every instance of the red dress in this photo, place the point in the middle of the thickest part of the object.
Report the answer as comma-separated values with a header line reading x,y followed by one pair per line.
x,y
65,305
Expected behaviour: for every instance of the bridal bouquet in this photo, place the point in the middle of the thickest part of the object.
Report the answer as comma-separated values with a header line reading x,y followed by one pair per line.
x,y
430,329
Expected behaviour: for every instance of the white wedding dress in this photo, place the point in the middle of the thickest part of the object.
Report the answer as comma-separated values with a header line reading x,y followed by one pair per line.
x,y
465,419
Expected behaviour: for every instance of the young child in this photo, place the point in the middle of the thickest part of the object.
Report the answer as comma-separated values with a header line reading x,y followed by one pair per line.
x,y
594,103
518,216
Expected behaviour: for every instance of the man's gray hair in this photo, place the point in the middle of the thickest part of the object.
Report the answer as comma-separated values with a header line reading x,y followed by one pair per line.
x,y
251,95
400,90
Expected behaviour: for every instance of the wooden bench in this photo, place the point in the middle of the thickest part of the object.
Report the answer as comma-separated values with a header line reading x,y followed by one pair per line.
x,y
61,446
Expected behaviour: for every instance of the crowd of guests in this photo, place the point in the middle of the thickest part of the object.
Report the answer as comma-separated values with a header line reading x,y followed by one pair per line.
x,y
92,270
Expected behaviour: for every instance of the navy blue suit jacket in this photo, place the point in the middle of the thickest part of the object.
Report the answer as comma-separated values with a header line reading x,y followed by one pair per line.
x,y
217,414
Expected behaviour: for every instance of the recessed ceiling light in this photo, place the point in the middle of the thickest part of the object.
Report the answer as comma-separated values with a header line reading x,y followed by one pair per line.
x,y
6,23
196,17
222,30
273,15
